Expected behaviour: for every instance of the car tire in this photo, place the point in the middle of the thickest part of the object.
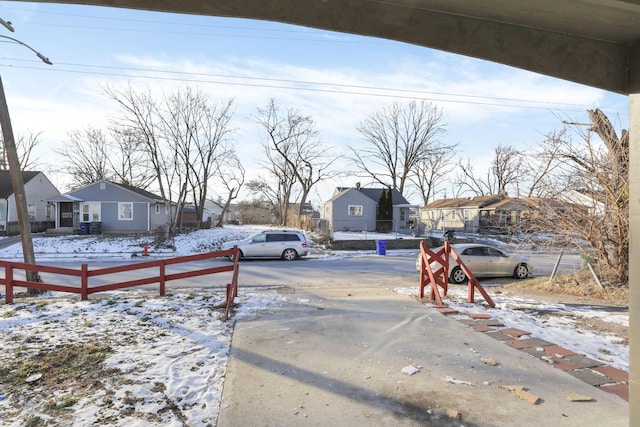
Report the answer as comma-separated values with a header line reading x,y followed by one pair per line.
x,y
289,255
457,276
521,272
230,257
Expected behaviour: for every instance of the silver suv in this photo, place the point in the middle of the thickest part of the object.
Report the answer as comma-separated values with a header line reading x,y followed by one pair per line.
x,y
288,245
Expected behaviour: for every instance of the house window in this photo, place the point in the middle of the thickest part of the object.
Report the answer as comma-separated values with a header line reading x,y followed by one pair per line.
x,y
125,211
90,212
467,215
48,215
31,211
355,210
159,209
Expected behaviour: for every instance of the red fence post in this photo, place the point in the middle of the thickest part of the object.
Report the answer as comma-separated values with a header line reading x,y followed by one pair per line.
x,y
232,288
8,285
236,269
162,279
84,282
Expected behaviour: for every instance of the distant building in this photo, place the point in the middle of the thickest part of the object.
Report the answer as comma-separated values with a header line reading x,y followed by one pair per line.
x,y
356,209
38,189
489,214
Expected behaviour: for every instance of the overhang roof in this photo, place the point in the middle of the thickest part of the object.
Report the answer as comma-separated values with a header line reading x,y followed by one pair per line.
x,y
593,42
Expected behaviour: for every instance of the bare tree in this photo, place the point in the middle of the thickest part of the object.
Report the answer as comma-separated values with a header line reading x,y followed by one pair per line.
x,y
593,178
541,165
507,167
230,175
85,155
142,117
469,179
296,157
276,187
181,135
212,128
396,140
431,170
128,161
506,172
25,144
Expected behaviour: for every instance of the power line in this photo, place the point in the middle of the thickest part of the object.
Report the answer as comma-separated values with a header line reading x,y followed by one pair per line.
x,y
265,82
322,87
294,30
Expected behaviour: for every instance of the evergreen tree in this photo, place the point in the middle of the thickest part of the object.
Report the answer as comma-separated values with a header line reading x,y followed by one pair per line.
x,y
385,212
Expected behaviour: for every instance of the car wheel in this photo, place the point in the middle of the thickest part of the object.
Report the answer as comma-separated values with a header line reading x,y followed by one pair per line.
x,y
239,256
521,272
289,254
457,276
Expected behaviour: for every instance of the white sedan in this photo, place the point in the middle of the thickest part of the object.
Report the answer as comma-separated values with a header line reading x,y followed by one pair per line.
x,y
483,261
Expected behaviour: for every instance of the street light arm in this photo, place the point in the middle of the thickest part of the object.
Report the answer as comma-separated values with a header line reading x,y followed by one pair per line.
x,y
41,56
7,25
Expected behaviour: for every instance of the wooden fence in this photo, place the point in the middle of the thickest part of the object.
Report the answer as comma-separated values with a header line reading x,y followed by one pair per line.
x,y
84,274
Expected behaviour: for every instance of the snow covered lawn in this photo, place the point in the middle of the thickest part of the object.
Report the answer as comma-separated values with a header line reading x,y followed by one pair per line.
x,y
125,360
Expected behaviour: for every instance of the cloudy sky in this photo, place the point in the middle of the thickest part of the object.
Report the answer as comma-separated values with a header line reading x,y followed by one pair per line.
x,y
337,79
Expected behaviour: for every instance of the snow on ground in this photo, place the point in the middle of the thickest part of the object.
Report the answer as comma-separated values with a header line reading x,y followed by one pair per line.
x,y
123,247
166,364
167,355
554,322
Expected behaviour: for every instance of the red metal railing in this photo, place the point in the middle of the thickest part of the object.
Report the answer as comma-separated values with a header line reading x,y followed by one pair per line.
x,y
85,288
439,278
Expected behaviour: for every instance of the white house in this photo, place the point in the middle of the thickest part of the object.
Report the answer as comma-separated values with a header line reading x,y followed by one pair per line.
x,y
38,190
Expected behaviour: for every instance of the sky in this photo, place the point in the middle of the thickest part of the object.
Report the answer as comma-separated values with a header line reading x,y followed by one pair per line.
x,y
337,79
180,342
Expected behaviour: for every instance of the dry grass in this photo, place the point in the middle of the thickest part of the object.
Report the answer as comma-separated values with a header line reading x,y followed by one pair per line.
x,y
578,284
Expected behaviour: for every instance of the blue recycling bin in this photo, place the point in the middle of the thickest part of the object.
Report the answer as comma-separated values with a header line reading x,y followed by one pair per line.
x,y
84,228
381,247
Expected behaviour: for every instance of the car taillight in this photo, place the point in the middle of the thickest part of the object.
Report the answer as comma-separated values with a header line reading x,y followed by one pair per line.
x,y
304,244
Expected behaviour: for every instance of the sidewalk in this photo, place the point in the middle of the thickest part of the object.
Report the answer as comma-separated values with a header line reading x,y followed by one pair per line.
x,y
335,357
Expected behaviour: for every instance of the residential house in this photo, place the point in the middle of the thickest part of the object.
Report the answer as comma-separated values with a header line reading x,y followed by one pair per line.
x,y
594,203
116,208
356,209
215,209
460,213
38,189
190,220
488,214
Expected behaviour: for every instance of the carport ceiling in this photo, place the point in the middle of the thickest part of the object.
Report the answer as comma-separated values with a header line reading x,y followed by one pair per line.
x,y
594,42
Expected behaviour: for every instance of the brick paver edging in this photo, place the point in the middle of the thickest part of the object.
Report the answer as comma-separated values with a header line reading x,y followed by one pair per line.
x,y
598,374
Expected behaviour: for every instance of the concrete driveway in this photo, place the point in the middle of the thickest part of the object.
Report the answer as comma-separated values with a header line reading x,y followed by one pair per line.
x,y
335,356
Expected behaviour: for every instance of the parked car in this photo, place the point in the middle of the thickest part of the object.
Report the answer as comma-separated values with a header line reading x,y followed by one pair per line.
x,y
288,245
483,261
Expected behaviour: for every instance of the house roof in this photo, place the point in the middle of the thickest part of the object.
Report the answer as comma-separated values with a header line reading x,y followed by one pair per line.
x,y
373,194
144,193
6,188
137,190
471,202
496,202
64,198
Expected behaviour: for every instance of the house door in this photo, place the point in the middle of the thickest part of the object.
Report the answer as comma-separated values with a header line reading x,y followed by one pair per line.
x,y
66,214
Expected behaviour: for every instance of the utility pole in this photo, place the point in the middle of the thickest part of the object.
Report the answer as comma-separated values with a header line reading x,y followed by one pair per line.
x,y
17,181
18,186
